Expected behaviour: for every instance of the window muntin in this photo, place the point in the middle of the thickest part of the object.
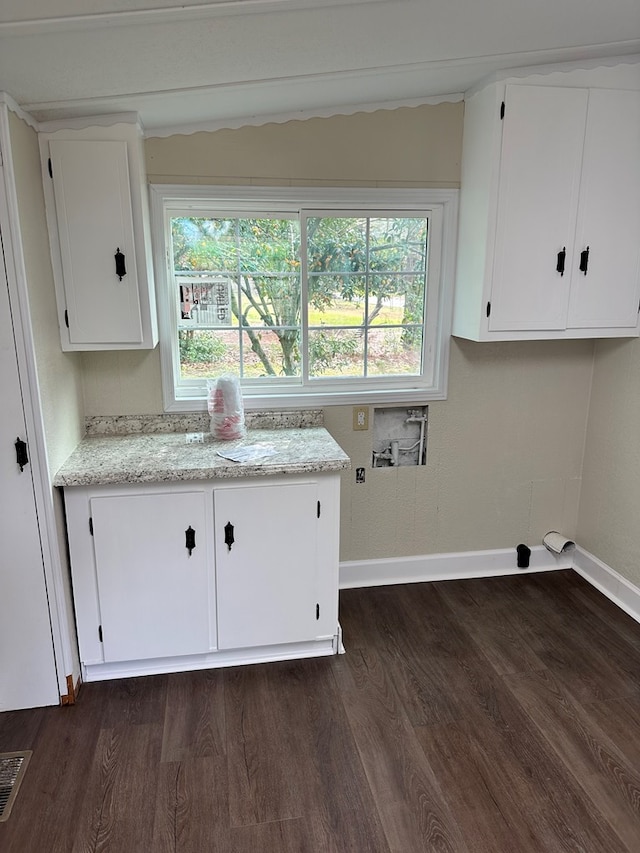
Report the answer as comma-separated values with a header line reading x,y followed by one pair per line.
x,y
369,324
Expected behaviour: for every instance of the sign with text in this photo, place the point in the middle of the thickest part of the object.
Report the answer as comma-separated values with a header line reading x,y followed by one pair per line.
x,y
205,301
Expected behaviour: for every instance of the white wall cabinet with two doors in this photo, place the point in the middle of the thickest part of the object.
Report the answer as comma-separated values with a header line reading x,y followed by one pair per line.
x,y
549,214
199,574
98,219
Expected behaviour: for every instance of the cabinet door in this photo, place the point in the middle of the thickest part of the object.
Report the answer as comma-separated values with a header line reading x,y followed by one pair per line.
x,y
93,210
608,294
267,577
540,166
154,595
27,664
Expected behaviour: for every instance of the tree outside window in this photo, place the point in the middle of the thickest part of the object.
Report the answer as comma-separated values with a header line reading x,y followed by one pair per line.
x,y
313,296
239,285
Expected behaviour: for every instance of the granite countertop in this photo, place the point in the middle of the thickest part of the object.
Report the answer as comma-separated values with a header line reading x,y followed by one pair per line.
x,y
114,456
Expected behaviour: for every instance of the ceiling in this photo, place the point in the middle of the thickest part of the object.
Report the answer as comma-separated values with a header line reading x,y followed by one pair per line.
x,y
226,63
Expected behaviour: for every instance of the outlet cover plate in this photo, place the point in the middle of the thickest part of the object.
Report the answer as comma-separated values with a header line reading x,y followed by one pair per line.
x,y
361,417
194,437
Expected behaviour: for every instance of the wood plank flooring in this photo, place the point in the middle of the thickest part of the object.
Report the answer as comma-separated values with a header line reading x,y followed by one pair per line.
x,y
480,716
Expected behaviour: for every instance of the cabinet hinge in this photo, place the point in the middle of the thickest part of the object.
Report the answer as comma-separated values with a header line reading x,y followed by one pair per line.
x,y
318,509
50,168
90,525
66,318
488,308
502,111
100,632
317,611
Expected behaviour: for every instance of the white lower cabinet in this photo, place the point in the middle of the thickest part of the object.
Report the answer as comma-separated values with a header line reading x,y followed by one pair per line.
x,y
197,575
267,577
154,586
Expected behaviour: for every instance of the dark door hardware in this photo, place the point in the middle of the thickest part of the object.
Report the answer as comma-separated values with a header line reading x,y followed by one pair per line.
x,y
561,259
584,260
121,269
189,539
21,453
228,535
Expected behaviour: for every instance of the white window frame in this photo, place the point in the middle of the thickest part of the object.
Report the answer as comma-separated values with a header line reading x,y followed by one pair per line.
x,y
441,206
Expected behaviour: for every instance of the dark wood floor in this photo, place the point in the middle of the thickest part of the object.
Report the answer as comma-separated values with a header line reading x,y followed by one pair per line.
x,y
485,715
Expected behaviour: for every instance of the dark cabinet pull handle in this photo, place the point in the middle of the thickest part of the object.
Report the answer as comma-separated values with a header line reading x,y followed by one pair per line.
x,y
121,270
190,539
584,260
561,259
228,535
21,453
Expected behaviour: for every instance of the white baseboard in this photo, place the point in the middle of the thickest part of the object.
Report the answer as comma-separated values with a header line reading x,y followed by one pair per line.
x,y
451,566
612,584
493,563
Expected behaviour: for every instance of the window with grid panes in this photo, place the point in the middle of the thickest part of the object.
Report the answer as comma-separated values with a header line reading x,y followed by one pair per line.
x,y
307,302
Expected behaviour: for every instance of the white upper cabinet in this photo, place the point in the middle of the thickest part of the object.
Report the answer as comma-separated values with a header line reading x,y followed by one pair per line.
x,y
608,227
537,203
97,212
549,214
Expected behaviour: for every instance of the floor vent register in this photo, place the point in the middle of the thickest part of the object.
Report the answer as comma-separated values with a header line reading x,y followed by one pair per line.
x,y
13,766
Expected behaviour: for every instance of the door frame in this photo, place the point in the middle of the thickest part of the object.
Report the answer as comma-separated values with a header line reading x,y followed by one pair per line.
x,y
62,624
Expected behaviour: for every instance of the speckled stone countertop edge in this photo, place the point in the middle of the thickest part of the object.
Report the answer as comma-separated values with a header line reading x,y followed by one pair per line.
x,y
233,471
166,457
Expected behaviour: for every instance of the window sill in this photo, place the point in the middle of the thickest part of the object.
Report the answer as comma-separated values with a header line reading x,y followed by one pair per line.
x,y
257,402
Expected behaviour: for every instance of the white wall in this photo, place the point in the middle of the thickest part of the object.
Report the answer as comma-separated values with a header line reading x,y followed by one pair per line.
x,y
610,503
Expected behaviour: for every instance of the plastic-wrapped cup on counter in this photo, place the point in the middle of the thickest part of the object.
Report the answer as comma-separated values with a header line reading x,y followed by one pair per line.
x,y
224,402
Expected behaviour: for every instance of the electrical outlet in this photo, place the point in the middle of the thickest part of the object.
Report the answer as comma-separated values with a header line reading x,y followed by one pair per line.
x,y
194,438
361,417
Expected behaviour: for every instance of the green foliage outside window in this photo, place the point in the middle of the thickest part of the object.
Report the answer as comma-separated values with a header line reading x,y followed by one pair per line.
x,y
365,274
